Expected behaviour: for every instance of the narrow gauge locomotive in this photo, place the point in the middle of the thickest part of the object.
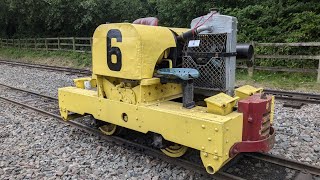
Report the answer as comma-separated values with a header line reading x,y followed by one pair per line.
x,y
178,85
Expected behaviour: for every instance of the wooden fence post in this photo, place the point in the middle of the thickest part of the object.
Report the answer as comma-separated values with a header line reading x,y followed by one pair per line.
x,y
318,79
46,43
58,42
35,43
19,41
74,44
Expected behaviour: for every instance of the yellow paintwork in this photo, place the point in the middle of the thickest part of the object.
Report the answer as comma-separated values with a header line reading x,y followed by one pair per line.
x,y
79,82
272,110
149,90
140,48
209,133
175,150
246,91
133,98
221,104
108,129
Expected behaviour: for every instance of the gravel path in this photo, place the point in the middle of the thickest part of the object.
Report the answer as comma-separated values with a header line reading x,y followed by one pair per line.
x,y
298,133
41,81
33,146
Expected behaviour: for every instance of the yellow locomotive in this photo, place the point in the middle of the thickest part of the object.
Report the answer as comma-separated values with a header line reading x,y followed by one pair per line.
x,y
177,84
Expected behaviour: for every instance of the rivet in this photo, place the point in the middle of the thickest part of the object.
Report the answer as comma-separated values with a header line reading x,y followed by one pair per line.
x,y
227,128
227,154
227,141
202,148
139,126
205,154
216,129
215,157
215,151
137,118
203,126
209,139
137,108
100,109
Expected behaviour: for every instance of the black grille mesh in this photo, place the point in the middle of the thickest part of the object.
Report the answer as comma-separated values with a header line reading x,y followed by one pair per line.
x,y
212,69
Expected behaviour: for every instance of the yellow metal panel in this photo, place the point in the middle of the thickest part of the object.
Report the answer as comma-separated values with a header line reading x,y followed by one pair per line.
x,y
166,118
246,91
221,104
79,82
139,46
209,133
272,110
160,92
152,81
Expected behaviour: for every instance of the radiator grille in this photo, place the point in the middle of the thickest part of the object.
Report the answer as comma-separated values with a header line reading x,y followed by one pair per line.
x,y
212,69
212,74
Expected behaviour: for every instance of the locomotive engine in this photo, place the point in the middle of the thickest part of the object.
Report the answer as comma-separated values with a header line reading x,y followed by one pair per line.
x,y
177,84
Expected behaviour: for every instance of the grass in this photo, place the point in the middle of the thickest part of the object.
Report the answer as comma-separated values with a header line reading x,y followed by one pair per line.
x,y
56,58
287,81
282,80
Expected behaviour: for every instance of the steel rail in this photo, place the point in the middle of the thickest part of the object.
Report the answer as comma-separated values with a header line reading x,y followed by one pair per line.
x,y
285,162
279,94
55,68
30,92
156,153
294,96
123,142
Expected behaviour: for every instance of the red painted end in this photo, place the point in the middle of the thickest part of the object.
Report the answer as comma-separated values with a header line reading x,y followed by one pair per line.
x,y
257,134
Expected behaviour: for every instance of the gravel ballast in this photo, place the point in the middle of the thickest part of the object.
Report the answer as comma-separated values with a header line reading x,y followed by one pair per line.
x,y
34,146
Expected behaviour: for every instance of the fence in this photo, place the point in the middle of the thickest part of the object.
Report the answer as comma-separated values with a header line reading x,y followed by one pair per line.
x,y
258,57
76,44
83,44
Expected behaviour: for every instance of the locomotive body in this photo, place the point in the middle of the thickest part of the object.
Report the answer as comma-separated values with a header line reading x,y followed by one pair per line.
x,y
159,80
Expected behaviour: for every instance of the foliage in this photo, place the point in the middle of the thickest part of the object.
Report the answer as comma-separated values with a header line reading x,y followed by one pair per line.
x,y
259,20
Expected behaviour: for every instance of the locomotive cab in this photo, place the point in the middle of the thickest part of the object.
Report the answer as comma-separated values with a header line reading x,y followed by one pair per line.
x,y
176,83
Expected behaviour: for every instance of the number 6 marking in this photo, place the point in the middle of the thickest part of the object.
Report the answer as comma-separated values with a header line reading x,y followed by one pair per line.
x,y
114,33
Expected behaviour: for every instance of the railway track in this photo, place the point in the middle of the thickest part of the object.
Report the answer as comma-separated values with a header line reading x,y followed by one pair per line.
x,y
282,95
53,68
295,96
49,106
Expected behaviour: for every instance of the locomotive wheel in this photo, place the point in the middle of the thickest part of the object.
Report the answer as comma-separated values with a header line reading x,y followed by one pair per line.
x,y
108,129
175,150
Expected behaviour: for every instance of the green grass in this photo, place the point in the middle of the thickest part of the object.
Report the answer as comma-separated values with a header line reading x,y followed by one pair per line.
x,y
289,81
62,58
283,80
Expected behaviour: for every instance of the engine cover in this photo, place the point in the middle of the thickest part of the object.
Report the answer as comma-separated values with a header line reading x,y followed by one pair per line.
x,y
129,51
